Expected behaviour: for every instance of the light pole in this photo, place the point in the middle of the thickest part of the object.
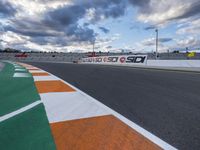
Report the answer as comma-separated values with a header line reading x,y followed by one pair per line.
x,y
93,46
156,43
93,52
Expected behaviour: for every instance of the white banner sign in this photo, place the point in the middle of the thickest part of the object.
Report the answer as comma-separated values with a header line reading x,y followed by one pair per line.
x,y
123,59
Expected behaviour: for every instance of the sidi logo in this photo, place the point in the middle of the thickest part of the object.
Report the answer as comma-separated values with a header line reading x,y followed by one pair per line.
x,y
117,59
136,59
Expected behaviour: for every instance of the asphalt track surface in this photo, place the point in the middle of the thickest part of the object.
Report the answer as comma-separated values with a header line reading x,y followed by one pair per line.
x,y
166,103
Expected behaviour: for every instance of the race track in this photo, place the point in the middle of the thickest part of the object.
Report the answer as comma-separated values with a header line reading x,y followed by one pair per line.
x,y
166,103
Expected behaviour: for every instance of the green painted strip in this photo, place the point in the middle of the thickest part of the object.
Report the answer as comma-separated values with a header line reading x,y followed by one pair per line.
x,y
15,92
27,131
7,71
1,66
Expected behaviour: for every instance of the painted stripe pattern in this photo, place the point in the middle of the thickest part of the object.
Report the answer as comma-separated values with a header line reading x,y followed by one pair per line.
x,y
79,121
23,120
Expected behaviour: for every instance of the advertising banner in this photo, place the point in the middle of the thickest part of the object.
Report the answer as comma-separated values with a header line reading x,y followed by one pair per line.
x,y
123,59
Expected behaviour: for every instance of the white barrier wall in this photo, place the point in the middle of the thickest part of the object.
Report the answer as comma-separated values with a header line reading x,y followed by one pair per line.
x,y
123,59
135,60
174,63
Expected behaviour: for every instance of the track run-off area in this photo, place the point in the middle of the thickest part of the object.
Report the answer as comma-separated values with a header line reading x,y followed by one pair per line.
x,y
165,103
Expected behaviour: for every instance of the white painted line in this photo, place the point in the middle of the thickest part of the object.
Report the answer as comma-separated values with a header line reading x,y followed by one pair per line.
x,y
142,131
31,67
36,71
21,70
65,106
45,78
16,65
20,75
19,111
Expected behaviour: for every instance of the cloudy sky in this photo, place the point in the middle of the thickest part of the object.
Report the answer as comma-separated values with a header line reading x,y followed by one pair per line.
x,y
73,25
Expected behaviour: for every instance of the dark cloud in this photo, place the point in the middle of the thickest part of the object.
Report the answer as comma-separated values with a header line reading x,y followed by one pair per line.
x,y
63,22
150,28
143,5
65,19
105,30
193,10
105,8
29,27
86,24
69,14
60,26
164,40
140,3
56,25
58,41
152,42
64,16
79,33
145,8
109,47
47,1
6,9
